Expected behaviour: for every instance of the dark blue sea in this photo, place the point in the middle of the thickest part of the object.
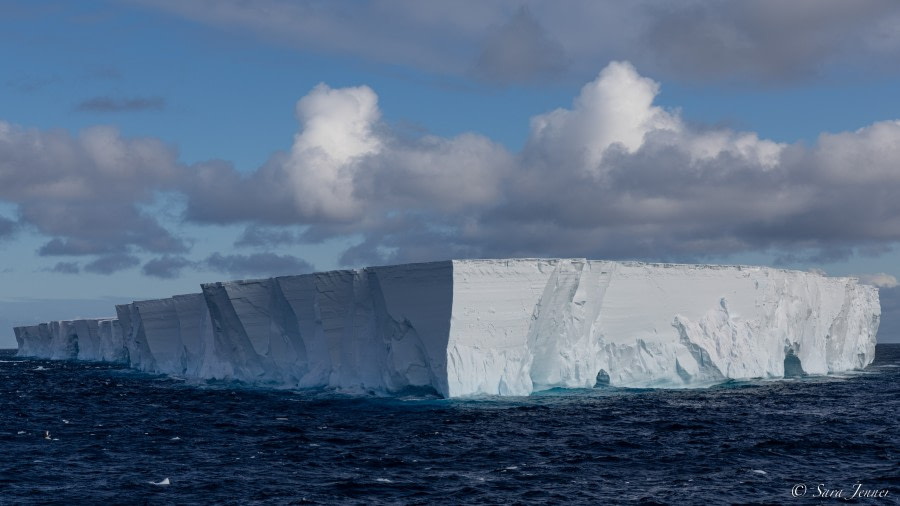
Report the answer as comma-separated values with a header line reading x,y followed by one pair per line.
x,y
114,435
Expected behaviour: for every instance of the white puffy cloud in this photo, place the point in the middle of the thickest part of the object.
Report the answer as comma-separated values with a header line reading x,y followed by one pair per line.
x,y
336,134
615,108
346,167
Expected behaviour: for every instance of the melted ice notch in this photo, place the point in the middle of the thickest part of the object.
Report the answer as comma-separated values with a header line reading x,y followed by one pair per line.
x,y
793,368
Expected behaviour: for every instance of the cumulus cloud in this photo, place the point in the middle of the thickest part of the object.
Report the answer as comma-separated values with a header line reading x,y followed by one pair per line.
x,y
337,133
613,175
257,264
113,104
85,191
345,168
761,41
615,108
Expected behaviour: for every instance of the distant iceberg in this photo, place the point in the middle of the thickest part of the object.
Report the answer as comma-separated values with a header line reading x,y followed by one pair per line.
x,y
489,327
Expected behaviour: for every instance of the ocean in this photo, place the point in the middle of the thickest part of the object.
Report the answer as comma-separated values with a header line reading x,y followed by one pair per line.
x,y
87,433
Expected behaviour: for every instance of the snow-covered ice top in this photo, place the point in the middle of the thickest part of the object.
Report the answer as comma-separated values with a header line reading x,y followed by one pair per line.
x,y
489,327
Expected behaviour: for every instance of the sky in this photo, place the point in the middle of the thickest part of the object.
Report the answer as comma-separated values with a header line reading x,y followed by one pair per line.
x,y
149,146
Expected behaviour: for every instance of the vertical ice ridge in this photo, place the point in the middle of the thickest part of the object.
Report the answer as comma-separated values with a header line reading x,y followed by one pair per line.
x,y
414,304
493,305
334,312
704,367
232,346
553,328
406,361
285,327
161,335
563,338
86,333
139,353
194,331
112,347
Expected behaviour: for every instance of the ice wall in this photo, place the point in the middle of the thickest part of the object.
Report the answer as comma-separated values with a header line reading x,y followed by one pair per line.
x,y
84,339
381,329
491,327
559,323
170,336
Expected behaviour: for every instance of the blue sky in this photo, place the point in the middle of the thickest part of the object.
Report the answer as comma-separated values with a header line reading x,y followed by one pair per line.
x,y
147,146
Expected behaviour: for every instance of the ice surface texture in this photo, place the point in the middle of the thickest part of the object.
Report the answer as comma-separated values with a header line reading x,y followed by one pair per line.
x,y
489,327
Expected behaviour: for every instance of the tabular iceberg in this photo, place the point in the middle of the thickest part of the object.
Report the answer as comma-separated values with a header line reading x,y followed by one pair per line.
x,y
489,327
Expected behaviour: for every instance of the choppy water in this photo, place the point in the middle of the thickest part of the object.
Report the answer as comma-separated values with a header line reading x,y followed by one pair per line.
x,y
113,433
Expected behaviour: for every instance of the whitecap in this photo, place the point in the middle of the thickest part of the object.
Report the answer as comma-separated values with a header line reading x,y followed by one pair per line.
x,y
163,483
384,480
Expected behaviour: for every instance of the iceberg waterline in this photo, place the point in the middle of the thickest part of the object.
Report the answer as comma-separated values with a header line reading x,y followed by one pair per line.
x,y
488,327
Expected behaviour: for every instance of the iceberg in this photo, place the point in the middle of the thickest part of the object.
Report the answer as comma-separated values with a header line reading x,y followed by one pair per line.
x,y
489,327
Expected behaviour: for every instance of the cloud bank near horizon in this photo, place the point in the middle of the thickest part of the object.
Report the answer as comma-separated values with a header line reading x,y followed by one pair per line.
x,y
611,176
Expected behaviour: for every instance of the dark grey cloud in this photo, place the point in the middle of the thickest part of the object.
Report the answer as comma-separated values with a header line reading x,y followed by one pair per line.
x,y
257,264
109,264
520,51
166,267
218,193
734,41
113,104
66,268
767,40
440,37
7,227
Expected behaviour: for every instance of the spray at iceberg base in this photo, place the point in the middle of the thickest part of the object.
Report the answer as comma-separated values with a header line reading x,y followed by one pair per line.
x,y
489,327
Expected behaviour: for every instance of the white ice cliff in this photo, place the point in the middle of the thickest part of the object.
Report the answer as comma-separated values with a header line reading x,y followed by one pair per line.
x,y
488,327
